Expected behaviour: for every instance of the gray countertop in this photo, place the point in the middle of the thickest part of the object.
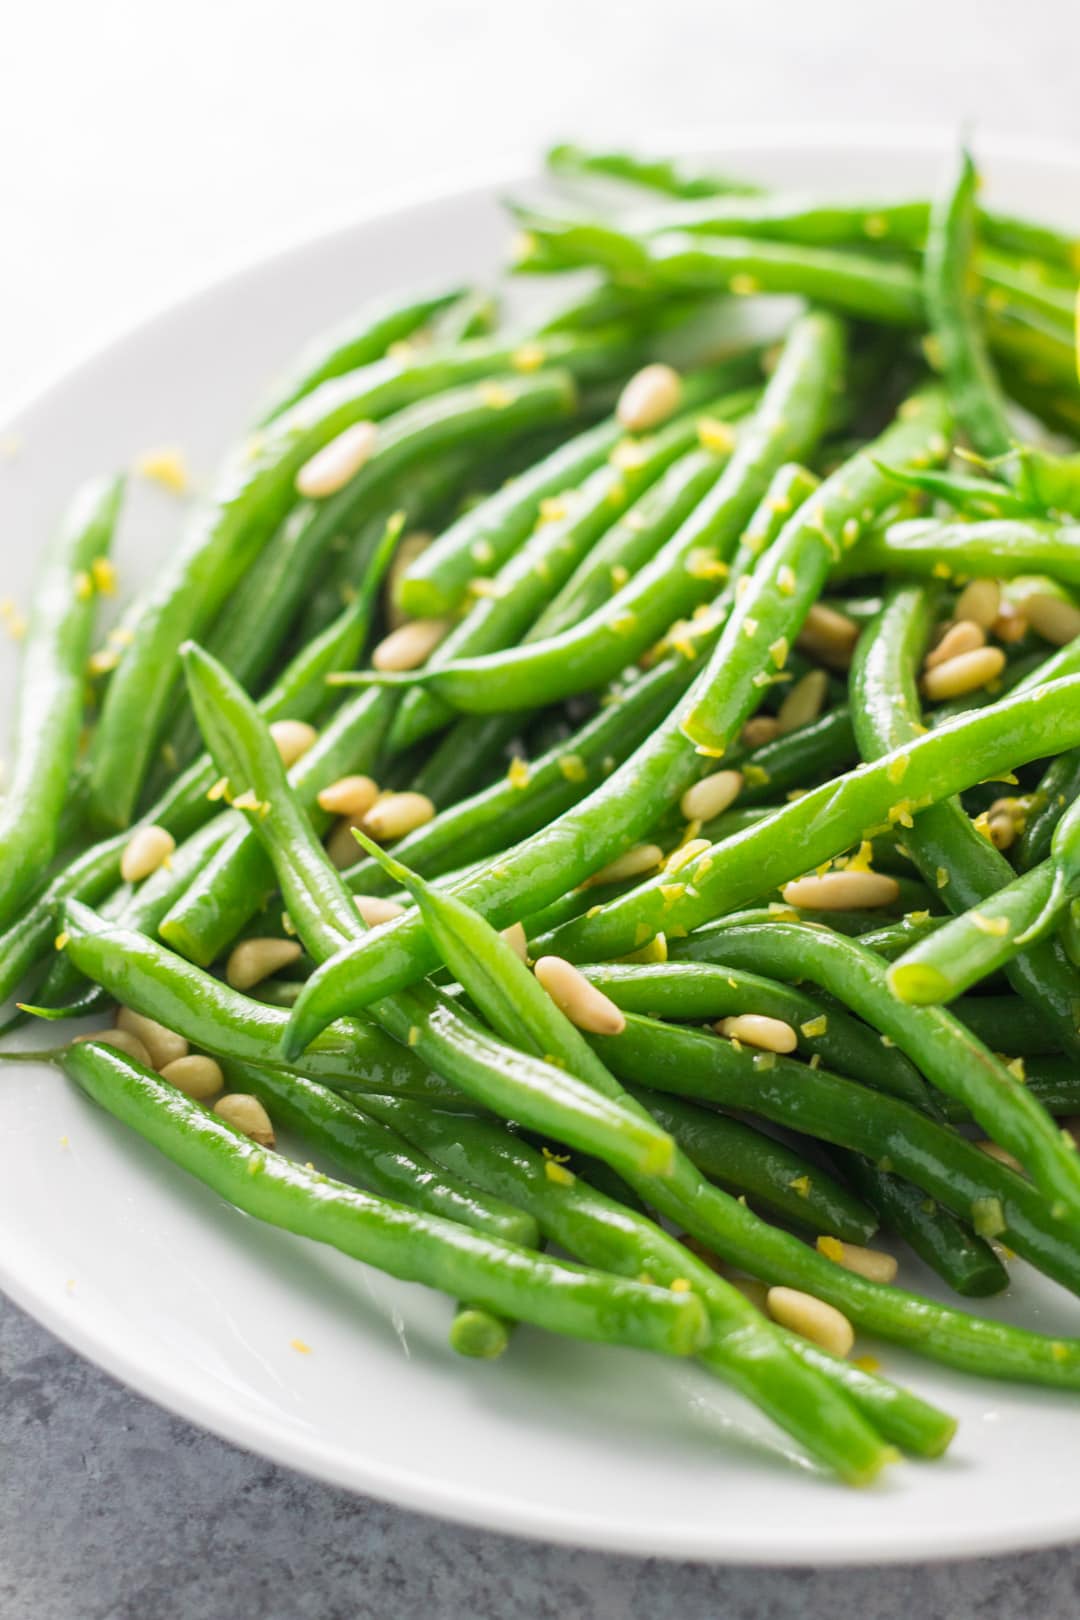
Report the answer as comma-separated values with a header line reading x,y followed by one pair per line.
x,y
112,1509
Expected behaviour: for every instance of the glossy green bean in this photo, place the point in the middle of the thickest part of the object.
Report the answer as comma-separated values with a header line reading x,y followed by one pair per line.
x,y
1058,788
998,548
415,1246
961,1258
48,709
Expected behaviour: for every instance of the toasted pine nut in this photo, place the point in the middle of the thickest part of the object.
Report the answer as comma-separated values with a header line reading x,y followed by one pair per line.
x,y
755,1029
979,601
253,960
342,847
966,673
760,729
144,852
124,1041
374,909
649,398
812,1318
410,645
409,547
1002,831
398,814
248,1115
633,863
842,891
164,1045
711,796
962,637
828,635
331,467
804,701
349,796
1010,625
293,739
582,1003
1002,1155
196,1076
873,1264
1052,617
517,940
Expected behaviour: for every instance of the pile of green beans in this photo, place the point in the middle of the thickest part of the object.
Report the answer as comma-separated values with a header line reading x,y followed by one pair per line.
x,y
683,829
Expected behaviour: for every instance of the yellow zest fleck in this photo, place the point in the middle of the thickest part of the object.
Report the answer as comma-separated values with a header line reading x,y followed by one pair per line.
x,y
941,570
553,508
901,813
1017,1070
413,1035
642,934
220,790
103,574
744,285
619,575
518,772
529,357
594,911
814,1026
672,893
623,625
679,1285
867,1364
875,225
487,588
750,627
248,801
801,1185
655,951
815,1061
685,854
779,650
628,455
987,1217
995,927
482,551
896,769
785,580
84,586
167,467
831,1248
300,1347
494,395
715,435
573,768
61,940
941,877
705,564
101,662
755,775
14,623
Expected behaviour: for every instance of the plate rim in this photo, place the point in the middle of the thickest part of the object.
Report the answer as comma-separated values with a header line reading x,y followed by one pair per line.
x,y
314,1457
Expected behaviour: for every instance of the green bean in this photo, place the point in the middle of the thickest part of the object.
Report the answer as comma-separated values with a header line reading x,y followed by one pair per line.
x,y
997,548
939,1045
414,1246
360,339
699,990
974,392
479,1334
684,572
673,176
515,1084
973,497
547,560
770,613
961,864
256,489
1007,1024
747,1161
894,938
375,1155
49,706
1058,788
895,1136
965,1261
988,743
750,1356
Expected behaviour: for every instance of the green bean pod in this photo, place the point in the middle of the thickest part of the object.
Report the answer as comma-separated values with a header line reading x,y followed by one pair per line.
x,y
998,548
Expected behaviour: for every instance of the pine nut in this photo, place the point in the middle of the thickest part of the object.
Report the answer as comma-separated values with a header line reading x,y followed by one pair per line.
x,y
349,796
196,1076
374,909
962,637
124,1041
804,702
1010,626
761,729
331,467
410,547
410,645
342,847
1002,830
144,852
649,398
812,1318
1002,1155
873,1264
164,1045
633,863
828,635
254,960
966,673
582,1003
1052,617
517,940
293,739
755,1029
979,601
711,796
842,891
398,814
248,1115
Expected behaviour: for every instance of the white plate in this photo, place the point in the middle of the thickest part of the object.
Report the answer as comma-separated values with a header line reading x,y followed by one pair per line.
x,y
141,1269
